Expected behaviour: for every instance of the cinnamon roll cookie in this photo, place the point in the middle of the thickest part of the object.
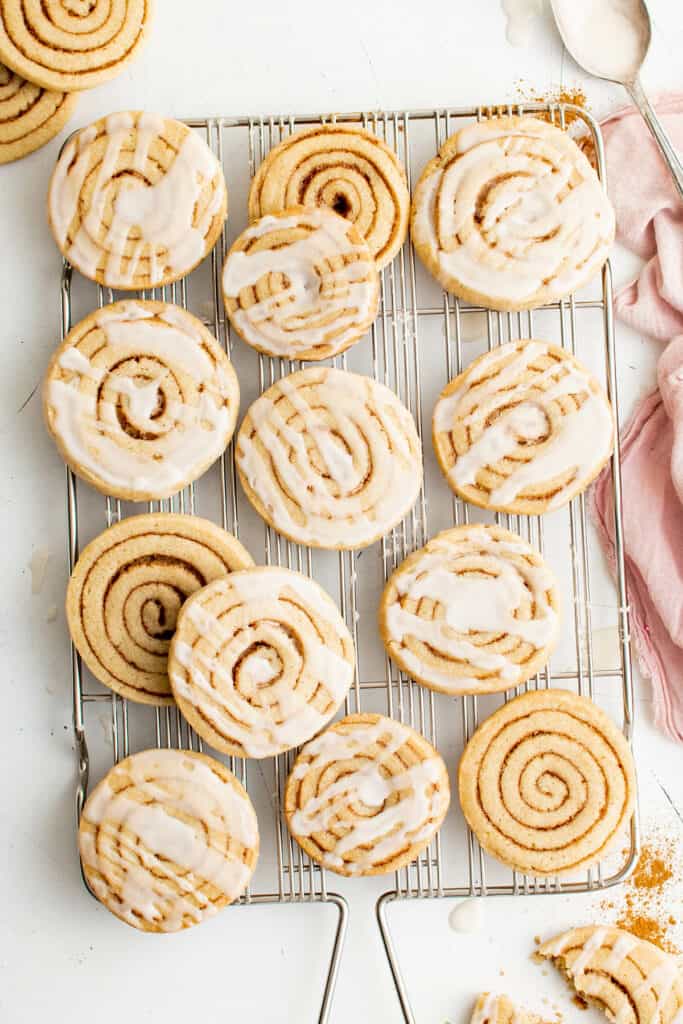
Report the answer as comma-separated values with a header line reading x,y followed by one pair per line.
x,y
475,611
493,1009
126,590
68,45
347,169
366,796
633,981
511,215
141,399
167,839
329,458
136,200
301,284
29,116
260,661
547,783
524,429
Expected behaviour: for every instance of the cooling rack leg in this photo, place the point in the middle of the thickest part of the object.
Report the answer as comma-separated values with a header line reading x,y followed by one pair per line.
x,y
381,910
333,972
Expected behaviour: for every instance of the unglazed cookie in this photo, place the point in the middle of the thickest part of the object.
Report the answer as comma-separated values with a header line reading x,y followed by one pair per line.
x,y
366,796
347,169
167,839
301,284
141,399
547,783
260,661
29,116
633,981
136,200
475,611
127,588
511,215
329,458
69,45
524,429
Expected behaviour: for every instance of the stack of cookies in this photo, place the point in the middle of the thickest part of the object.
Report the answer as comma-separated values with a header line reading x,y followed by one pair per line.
x,y
166,608
49,53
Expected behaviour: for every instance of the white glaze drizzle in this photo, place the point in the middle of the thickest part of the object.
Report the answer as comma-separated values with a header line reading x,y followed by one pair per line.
x,y
352,510
376,839
84,406
592,944
581,439
486,1010
319,306
209,681
472,604
623,945
169,781
162,214
547,222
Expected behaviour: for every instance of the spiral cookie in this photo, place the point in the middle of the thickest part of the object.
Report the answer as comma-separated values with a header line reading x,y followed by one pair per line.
x,y
547,783
136,200
492,1009
127,588
632,980
301,284
510,214
350,171
524,429
475,611
29,116
70,45
329,458
366,796
260,661
140,399
167,839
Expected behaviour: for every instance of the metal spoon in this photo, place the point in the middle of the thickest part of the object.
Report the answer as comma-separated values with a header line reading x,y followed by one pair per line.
x,y
633,85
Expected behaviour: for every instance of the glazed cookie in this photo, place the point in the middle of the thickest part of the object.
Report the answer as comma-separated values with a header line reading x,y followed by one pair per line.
x,y
29,116
301,284
475,611
141,399
69,46
524,429
329,458
511,215
127,588
632,980
492,1009
136,200
260,661
366,796
347,169
547,783
167,839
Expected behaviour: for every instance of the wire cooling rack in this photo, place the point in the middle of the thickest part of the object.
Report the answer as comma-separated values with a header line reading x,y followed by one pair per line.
x,y
421,339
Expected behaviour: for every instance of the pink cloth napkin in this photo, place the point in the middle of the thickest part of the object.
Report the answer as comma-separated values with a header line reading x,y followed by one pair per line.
x,y
650,222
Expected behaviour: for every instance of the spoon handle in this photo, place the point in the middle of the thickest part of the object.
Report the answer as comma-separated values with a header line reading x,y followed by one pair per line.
x,y
661,138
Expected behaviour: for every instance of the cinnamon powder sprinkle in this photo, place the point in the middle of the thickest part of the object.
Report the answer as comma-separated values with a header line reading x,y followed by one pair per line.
x,y
555,94
644,906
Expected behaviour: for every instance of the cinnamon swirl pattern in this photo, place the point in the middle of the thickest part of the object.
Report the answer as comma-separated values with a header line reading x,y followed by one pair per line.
x,y
524,429
475,611
366,796
29,116
127,588
511,215
68,45
547,783
301,284
167,839
136,200
347,169
140,399
633,981
260,661
329,458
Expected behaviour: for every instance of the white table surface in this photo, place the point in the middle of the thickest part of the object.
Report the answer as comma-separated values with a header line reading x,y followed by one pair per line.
x,y
62,957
